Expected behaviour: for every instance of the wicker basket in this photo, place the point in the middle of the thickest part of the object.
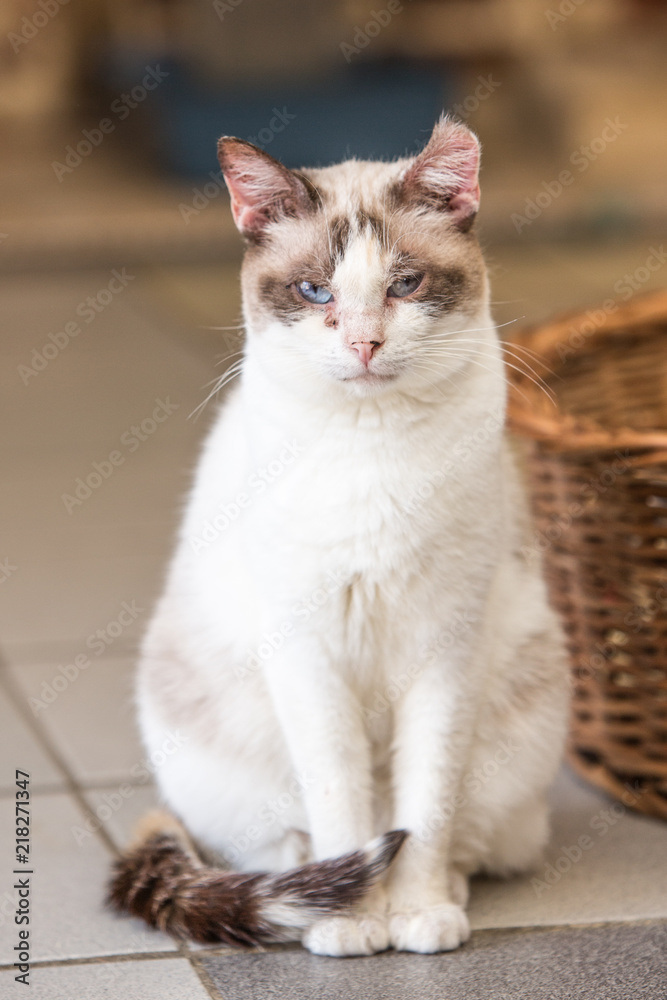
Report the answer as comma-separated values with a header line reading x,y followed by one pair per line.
x,y
597,462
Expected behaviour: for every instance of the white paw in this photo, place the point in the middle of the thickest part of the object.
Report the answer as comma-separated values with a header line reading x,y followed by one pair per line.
x,y
357,935
434,928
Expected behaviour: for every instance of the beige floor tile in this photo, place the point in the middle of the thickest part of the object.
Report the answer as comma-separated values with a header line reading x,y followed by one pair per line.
x,y
69,602
71,867
74,562
63,594
620,873
89,718
20,749
75,570
93,387
163,979
120,822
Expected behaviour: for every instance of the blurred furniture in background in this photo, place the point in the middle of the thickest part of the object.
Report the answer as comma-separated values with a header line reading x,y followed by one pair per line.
x,y
314,82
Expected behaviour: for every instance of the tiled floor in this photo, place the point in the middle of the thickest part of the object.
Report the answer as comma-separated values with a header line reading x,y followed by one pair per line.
x,y
593,927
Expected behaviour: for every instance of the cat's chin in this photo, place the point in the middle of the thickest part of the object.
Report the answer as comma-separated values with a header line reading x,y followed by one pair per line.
x,y
369,383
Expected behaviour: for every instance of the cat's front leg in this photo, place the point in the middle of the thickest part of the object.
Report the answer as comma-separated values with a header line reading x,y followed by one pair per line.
x,y
322,723
433,732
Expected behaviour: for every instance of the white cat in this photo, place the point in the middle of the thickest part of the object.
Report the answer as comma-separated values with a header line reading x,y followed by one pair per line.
x,y
350,641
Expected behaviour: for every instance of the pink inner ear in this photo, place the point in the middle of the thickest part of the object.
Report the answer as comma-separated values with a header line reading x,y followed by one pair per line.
x,y
260,187
250,208
446,172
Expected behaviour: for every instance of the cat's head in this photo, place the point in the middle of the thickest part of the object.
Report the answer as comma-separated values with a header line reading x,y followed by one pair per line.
x,y
360,275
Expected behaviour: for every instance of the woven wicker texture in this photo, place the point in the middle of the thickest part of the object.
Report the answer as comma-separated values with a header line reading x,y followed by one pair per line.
x,y
597,464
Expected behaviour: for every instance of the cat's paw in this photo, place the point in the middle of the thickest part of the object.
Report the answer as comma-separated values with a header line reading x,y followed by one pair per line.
x,y
364,934
435,928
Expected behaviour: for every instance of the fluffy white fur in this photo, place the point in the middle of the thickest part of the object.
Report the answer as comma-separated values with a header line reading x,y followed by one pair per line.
x,y
363,647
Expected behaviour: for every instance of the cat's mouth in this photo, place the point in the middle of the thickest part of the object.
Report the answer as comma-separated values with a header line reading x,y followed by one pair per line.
x,y
369,377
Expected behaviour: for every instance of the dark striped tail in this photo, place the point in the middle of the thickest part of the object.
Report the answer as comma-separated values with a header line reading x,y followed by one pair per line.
x,y
162,880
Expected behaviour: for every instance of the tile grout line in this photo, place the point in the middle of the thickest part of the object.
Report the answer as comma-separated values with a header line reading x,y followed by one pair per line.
x,y
14,694
197,958
94,786
204,978
118,959
42,651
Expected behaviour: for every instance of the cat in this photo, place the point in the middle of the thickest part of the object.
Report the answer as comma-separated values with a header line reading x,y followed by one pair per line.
x,y
350,642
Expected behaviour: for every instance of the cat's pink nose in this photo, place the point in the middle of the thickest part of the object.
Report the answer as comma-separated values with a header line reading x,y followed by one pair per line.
x,y
364,349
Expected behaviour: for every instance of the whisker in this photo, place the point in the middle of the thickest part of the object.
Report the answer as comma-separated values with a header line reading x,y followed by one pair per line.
x,y
228,356
531,354
473,359
533,377
241,326
478,329
218,384
432,384
508,349
509,346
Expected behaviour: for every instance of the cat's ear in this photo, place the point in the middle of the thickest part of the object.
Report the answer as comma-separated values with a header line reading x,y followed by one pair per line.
x,y
446,173
262,189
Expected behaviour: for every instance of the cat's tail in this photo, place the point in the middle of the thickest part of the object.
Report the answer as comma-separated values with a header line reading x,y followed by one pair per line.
x,y
162,880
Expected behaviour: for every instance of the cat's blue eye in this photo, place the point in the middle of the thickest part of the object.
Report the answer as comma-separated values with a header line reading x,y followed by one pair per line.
x,y
404,286
314,293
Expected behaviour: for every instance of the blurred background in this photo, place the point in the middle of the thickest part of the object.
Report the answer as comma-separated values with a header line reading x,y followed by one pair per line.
x,y
119,305
550,86
119,260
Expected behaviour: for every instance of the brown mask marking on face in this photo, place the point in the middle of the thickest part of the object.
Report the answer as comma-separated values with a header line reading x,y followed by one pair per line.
x,y
279,298
377,225
444,289
339,235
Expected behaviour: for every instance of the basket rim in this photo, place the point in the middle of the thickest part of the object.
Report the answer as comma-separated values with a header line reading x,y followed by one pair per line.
x,y
564,432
